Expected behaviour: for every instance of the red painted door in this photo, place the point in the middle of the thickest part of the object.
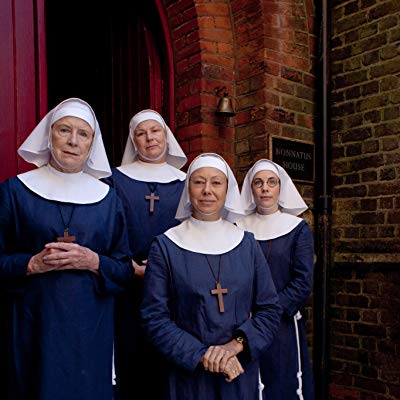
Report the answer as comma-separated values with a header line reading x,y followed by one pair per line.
x,y
23,99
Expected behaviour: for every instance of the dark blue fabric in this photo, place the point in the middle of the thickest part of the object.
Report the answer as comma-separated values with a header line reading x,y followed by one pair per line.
x,y
135,359
182,318
142,225
291,259
58,325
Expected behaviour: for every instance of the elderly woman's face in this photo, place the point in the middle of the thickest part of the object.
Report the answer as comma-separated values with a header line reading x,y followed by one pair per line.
x,y
266,188
207,192
150,140
71,139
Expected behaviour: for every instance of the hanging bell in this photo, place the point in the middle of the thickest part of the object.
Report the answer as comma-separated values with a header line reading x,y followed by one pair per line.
x,y
225,108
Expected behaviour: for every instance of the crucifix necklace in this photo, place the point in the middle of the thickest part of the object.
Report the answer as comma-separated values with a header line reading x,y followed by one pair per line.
x,y
152,196
66,238
219,291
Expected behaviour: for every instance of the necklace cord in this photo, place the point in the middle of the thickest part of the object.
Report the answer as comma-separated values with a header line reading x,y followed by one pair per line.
x,y
212,271
152,186
66,226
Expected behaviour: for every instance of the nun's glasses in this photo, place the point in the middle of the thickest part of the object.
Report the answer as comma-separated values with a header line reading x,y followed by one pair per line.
x,y
271,182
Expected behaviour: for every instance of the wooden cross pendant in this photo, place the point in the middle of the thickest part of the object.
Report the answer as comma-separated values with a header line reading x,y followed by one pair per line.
x,y
152,197
66,238
219,292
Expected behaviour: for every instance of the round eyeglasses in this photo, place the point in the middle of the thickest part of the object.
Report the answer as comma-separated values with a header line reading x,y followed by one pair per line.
x,y
271,182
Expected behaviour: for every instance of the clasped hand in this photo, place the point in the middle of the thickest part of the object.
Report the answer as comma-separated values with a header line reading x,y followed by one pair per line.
x,y
223,359
139,269
61,256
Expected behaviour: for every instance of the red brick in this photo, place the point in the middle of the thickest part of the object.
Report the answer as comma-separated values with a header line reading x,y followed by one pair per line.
x,y
338,392
223,22
212,9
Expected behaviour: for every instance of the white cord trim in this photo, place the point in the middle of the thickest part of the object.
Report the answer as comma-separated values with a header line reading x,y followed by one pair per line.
x,y
299,390
260,386
113,376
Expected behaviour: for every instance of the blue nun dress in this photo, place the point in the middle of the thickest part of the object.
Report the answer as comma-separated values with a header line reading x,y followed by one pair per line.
x,y
285,367
182,318
57,327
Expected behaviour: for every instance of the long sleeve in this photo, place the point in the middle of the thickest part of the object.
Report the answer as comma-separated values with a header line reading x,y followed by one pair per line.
x,y
176,344
296,292
263,325
115,268
12,264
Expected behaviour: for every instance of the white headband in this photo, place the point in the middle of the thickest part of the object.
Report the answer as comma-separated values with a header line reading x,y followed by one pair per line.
x,y
264,165
75,109
145,115
208,161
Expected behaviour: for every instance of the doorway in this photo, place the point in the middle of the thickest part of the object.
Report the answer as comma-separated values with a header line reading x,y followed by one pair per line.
x,y
109,54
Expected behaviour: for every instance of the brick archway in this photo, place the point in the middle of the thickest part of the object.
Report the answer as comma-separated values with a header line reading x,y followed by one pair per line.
x,y
263,52
203,44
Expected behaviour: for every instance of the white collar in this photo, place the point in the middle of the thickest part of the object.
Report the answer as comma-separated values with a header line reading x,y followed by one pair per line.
x,y
206,237
79,188
271,226
150,172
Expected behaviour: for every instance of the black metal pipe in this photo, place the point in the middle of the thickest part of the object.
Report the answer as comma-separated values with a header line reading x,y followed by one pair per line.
x,y
324,212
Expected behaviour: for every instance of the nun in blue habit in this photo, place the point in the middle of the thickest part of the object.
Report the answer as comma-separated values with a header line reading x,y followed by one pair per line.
x,y
272,203
149,183
64,253
209,302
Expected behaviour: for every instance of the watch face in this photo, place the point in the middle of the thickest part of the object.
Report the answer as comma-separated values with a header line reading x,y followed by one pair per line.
x,y
240,339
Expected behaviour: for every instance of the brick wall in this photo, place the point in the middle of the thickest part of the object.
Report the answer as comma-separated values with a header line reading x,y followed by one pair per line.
x,y
203,45
275,46
365,311
263,53
365,280
366,126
